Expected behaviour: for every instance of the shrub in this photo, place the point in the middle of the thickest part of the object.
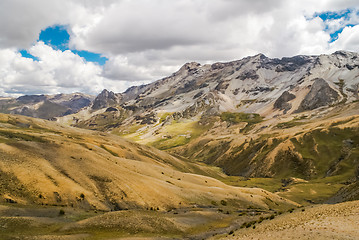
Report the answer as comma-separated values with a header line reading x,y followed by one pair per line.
x,y
61,212
223,202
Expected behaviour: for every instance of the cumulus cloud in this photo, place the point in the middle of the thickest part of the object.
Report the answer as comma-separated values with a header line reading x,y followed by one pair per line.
x,y
55,72
145,40
348,39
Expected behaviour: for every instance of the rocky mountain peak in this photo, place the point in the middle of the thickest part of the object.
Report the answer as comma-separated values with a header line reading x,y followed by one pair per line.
x,y
106,99
190,66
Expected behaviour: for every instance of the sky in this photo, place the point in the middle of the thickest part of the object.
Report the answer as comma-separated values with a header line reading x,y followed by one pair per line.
x,y
65,46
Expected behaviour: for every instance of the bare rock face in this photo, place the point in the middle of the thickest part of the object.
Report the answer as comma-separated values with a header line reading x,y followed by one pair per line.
x,y
320,94
133,92
105,99
250,74
282,103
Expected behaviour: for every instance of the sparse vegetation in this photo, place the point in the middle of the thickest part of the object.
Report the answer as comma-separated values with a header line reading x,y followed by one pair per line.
x,y
341,84
289,124
164,116
250,118
179,134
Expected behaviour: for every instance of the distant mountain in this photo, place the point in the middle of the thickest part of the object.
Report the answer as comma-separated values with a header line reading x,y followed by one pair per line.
x,y
252,84
257,84
45,106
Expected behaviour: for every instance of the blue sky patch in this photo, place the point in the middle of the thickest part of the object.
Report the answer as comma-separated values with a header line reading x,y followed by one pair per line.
x,y
26,54
91,57
327,17
334,15
58,38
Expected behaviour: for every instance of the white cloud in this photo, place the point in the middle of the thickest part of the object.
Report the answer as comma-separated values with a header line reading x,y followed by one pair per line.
x,y
145,40
347,39
55,72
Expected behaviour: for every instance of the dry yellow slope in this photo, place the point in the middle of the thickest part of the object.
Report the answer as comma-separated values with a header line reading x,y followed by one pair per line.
x,y
322,222
45,163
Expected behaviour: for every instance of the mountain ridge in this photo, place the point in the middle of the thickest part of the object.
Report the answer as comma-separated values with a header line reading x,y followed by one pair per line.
x,y
252,85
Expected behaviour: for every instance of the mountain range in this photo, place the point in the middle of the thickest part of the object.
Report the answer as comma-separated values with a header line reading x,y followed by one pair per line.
x,y
250,117
256,133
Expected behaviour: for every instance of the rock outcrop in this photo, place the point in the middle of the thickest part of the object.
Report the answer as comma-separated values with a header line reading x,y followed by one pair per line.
x,y
282,103
320,94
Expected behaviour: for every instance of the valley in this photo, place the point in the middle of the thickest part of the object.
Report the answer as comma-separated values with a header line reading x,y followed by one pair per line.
x,y
208,152
60,181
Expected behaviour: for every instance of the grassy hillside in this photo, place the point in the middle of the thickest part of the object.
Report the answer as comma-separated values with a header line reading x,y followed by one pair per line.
x,y
53,177
323,153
